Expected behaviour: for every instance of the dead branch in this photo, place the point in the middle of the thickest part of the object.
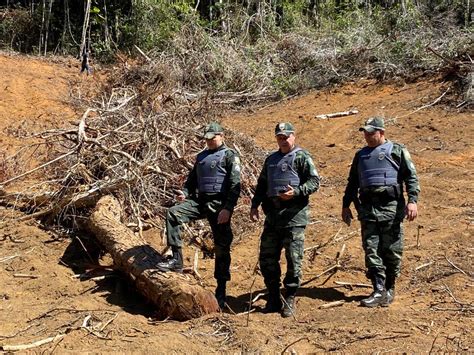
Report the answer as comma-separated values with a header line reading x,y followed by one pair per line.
x,y
142,53
456,267
448,60
293,343
330,240
317,246
25,276
319,275
424,265
250,300
34,344
332,304
434,341
81,136
6,182
7,258
195,263
337,114
257,297
425,106
291,309
108,322
80,200
16,333
352,284
333,268
418,243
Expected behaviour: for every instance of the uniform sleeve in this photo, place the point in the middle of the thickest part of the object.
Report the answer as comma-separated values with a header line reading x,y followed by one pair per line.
x,y
190,185
261,189
308,175
233,167
409,176
352,187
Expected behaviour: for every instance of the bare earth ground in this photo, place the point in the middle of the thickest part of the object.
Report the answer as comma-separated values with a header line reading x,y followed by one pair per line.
x,y
433,310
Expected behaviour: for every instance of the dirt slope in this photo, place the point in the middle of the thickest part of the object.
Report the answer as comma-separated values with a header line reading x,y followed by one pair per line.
x,y
434,305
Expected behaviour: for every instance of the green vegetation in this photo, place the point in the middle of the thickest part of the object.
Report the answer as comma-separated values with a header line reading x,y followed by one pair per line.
x,y
271,47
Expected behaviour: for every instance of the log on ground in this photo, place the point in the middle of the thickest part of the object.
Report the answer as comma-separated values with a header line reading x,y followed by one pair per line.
x,y
176,296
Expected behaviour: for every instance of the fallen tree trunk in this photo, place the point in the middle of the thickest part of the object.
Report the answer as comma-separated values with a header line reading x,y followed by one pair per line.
x,y
176,296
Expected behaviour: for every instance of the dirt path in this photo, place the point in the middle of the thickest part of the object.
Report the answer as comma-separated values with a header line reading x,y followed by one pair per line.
x,y
40,297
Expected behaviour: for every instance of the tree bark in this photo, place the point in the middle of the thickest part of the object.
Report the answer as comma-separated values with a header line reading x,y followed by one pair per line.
x,y
85,26
47,27
41,39
176,296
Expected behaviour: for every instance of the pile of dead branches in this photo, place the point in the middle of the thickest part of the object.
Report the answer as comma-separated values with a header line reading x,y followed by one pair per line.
x,y
140,155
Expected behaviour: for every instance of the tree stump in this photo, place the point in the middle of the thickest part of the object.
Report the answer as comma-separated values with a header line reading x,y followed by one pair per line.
x,y
176,296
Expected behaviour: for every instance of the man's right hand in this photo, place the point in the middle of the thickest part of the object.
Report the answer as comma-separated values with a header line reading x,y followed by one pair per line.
x,y
346,215
180,196
254,216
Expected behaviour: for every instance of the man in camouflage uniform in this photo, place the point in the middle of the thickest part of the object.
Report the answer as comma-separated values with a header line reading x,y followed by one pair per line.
x,y
375,186
211,191
287,179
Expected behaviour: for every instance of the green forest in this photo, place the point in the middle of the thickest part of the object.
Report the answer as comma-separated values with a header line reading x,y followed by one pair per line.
x,y
280,45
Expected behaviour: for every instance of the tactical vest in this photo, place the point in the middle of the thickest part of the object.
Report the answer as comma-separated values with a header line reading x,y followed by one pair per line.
x,y
281,172
210,172
376,166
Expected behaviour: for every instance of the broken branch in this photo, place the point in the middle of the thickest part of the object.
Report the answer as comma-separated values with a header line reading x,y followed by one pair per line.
x,y
33,345
337,114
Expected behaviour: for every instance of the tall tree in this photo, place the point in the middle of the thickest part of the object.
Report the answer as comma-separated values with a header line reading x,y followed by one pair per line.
x,y
47,26
85,26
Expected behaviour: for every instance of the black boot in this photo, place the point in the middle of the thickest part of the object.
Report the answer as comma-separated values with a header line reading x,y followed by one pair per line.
x,y
390,287
220,293
289,308
274,301
173,264
378,296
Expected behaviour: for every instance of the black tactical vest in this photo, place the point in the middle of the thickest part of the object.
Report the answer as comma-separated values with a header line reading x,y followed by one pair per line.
x,y
210,172
376,166
281,172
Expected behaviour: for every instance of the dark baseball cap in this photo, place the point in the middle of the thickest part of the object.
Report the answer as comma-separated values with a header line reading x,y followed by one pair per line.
x,y
212,129
373,124
284,128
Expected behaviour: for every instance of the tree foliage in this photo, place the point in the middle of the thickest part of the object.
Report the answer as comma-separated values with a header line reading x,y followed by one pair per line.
x,y
271,46
151,23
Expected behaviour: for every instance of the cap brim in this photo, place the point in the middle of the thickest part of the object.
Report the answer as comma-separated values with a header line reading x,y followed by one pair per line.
x,y
284,133
209,135
369,129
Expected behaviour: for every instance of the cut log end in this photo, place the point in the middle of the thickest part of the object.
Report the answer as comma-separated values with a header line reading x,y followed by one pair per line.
x,y
176,296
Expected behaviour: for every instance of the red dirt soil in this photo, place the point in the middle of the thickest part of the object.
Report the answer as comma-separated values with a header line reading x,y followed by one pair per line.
x,y
434,307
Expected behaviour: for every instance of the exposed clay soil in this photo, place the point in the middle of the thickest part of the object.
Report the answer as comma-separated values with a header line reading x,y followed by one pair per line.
x,y
434,307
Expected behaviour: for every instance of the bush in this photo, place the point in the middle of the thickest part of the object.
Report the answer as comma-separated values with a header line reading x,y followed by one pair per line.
x,y
19,30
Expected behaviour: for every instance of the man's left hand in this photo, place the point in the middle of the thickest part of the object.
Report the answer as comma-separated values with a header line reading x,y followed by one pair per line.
x,y
223,217
411,211
288,194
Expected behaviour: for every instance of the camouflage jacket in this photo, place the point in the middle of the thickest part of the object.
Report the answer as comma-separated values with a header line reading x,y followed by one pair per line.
x,y
226,200
293,212
382,203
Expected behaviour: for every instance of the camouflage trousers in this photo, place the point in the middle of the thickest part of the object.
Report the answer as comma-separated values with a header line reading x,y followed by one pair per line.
x,y
383,246
190,210
273,240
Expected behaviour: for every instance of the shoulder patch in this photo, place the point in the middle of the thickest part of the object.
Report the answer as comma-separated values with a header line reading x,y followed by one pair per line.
x,y
398,146
303,152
